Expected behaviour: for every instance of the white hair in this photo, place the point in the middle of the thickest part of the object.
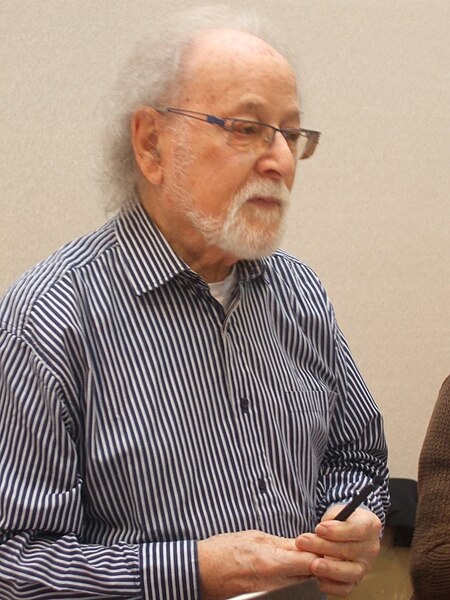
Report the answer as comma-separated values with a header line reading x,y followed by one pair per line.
x,y
151,76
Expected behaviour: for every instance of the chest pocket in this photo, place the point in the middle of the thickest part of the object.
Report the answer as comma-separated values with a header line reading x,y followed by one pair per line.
x,y
310,414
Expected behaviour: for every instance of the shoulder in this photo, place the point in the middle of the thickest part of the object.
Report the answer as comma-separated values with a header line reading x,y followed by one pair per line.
x,y
288,271
438,433
444,393
53,275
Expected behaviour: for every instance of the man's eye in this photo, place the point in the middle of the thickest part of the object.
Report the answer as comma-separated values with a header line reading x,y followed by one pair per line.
x,y
291,135
246,129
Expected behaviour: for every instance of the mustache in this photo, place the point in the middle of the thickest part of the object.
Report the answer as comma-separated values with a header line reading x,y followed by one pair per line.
x,y
263,188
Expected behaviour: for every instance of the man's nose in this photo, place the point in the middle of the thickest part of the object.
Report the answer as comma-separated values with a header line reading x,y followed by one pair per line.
x,y
277,160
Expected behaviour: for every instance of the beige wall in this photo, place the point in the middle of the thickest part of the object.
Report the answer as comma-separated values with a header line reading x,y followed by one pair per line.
x,y
370,211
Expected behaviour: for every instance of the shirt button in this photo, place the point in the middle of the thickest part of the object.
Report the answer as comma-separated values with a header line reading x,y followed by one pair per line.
x,y
244,405
262,485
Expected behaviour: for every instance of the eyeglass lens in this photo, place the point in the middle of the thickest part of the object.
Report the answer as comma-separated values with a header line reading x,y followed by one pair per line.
x,y
258,136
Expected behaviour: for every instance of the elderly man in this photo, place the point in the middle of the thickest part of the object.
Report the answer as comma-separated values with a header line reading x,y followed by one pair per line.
x,y
180,415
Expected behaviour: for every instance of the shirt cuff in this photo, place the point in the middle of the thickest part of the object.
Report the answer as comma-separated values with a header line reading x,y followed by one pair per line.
x,y
169,570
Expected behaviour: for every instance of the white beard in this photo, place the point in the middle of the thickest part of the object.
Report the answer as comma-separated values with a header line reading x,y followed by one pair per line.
x,y
247,231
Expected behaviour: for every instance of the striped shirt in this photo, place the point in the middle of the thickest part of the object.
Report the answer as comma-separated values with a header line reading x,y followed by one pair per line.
x,y
138,416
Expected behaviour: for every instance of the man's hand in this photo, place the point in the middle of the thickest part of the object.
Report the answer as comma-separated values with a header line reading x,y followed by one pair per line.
x,y
347,548
249,561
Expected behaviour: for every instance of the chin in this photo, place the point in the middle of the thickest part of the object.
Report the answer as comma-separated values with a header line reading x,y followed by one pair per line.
x,y
250,243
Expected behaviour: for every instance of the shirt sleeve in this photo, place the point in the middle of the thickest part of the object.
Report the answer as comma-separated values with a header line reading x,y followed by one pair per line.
x,y
357,450
42,550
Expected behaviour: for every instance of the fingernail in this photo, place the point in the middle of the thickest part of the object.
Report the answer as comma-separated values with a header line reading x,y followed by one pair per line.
x,y
320,567
304,542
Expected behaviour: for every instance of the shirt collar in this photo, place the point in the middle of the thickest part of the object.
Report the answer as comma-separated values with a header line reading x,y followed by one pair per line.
x,y
150,260
251,269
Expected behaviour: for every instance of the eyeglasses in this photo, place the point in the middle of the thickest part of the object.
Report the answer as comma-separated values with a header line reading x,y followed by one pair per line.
x,y
253,135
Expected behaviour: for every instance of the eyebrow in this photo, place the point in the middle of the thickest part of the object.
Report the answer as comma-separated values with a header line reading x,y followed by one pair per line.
x,y
254,104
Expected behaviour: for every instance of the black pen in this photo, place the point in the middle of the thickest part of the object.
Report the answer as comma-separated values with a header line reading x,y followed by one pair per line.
x,y
359,498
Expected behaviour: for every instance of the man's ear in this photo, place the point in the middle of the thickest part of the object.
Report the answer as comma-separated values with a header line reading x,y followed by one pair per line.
x,y
145,138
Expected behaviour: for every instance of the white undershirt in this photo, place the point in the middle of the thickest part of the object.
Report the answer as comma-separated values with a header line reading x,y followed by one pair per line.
x,y
222,290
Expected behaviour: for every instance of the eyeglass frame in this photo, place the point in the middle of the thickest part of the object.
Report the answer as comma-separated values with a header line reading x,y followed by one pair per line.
x,y
311,134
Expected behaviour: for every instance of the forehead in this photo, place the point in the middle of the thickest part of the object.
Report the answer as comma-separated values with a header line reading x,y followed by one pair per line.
x,y
226,66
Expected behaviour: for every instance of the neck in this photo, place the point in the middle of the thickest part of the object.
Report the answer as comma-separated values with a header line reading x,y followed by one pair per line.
x,y
209,261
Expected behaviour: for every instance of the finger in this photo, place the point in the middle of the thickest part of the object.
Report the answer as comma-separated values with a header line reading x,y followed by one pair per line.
x,y
338,571
358,527
309,542
295,563
352,551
